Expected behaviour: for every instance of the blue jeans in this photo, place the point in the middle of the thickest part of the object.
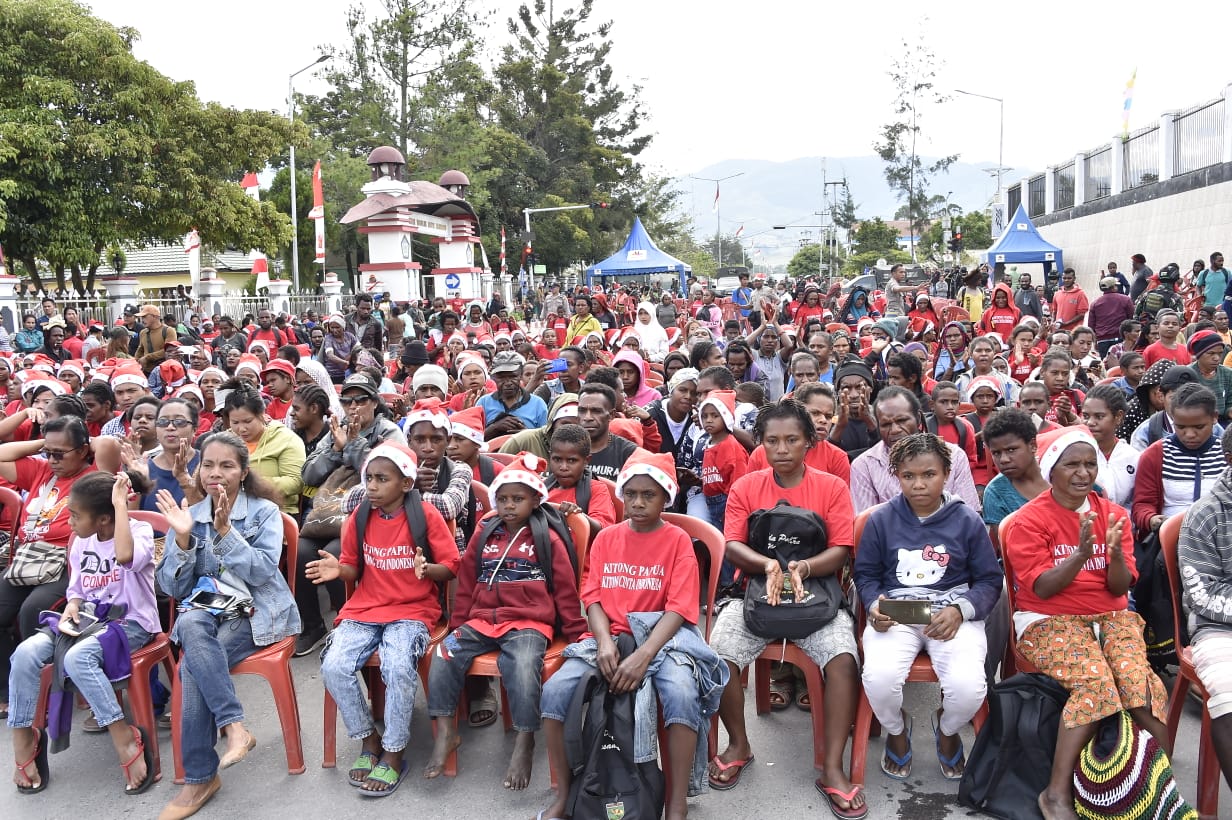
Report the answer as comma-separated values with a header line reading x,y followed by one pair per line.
x,y
520,664
83,663
209,703
674,684
348,648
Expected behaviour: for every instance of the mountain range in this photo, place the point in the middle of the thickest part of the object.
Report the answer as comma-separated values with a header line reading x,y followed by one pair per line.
x,y
786,193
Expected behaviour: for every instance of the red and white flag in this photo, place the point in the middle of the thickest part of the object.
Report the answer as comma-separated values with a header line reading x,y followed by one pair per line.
x,y
715,206
192,241
502,258
318,212
251,186
739,231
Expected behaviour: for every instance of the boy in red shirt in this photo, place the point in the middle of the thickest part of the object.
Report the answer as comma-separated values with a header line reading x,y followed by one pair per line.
x,y
547,349
1169,324
569,483
944,421
516,591
725,458
643,566
394,603
279,379
984,393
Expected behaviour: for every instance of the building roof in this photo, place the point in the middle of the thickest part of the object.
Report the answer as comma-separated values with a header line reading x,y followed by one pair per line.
x,y
171,259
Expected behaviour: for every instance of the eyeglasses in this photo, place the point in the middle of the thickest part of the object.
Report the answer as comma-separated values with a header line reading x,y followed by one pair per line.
x,y
178,424
347,401
57,455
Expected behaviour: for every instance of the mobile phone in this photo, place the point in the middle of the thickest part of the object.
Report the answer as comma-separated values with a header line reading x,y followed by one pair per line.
x,y
84,621
204,599
907,610
559,365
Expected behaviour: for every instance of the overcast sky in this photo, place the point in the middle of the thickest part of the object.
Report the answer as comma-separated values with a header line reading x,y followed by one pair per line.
x,y
778,80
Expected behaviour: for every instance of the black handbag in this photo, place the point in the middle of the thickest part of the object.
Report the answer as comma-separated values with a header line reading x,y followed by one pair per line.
x,y
787,534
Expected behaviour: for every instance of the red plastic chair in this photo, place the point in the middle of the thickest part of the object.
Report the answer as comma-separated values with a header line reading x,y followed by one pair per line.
x,y
1013,662
376,686
482,496
10,504
921,672
270,662
616,502
496,443
1208,764
141,701
500,458
485,666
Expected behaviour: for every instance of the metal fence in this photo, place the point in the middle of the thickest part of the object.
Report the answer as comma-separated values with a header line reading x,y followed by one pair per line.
x,y
88,308
1036,187
1013,198
1098,174
1198,136
1142,158
1065,187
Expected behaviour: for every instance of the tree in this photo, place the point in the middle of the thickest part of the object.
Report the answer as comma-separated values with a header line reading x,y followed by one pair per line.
x,y
843,214
98,149
870,241
976,230
906,173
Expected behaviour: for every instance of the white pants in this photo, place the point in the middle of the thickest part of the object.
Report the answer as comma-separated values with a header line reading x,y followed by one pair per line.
x,y
959,663
1212,658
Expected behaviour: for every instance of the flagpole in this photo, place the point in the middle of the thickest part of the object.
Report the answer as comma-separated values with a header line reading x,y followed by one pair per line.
x,y
718,217
294,208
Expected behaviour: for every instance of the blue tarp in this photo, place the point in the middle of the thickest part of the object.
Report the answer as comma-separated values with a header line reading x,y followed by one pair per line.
x,y
1022,242
639,256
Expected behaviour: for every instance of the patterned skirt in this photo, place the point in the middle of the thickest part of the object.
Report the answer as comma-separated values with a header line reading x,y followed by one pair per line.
x,y
1104,672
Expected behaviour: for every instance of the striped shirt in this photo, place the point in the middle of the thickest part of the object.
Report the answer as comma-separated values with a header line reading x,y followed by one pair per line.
x,y
1189,474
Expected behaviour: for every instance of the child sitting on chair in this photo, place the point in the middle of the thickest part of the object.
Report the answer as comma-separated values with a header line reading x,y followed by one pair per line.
x,y
404,550
467,445
517,588
643,581
725,459
569,483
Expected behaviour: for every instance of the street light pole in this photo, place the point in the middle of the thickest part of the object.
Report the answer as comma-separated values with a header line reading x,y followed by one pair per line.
x,y
718,217
1001,138
294,205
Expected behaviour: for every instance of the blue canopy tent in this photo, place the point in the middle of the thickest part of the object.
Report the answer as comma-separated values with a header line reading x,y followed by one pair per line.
x,y
1022,243
639,257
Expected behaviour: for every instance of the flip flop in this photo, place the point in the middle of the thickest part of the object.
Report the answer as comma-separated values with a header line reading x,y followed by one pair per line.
x,y
946,762
730,783
364,758
488,703
383,773
145,753
903,762
40,765
829,792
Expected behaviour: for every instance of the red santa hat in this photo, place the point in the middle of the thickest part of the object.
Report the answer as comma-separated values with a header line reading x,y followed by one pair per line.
x,y
524,469
40,382
724,402
190,389
1051,445
673,336
429,410
261,343
660,467
249,362
44,364
470,424
172,373
125,375
74,366
213,371
466,359
982,381
399,454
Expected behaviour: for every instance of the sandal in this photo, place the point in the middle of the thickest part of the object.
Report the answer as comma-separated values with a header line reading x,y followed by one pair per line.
x,y
950,763
365,763
488,706
903,762
782,692
848,813
384,774
729,783
145,753
802,699
39,761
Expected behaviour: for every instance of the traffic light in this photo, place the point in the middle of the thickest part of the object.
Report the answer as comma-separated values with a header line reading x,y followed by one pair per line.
x,y
956,242
599,206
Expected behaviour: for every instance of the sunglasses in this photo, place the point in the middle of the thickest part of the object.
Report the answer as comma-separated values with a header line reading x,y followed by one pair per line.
x,y
347,401
178,424
57,455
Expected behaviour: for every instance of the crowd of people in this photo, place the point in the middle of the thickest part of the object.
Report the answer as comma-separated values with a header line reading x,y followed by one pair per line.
x,y
384,436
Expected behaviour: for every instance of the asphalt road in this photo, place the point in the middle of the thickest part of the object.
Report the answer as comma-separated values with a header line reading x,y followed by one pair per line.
x,y
86,780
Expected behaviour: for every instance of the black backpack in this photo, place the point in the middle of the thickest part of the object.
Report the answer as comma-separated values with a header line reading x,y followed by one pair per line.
x,y
599,735
544,520
788,534
582,491
1011,760
1153,601
931,423
415,520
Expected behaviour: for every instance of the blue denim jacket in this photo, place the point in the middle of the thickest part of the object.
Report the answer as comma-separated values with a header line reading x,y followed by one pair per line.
x,y
687,647
249,553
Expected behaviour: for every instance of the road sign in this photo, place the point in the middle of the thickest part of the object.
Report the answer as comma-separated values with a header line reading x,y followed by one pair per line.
x,y
540,270
453,281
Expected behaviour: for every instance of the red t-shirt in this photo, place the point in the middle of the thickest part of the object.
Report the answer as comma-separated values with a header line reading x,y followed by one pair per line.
x,y
949,433
72,346
45,514
273,336
642,572
600,508
1000,321
822,456
1044,534
389,590
1156,351
547,353
722,465
1020,369
496,470
277,409
822,493
1076,398
1069,306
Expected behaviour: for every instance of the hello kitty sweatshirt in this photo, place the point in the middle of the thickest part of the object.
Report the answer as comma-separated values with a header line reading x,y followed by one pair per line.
x,y
947,558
